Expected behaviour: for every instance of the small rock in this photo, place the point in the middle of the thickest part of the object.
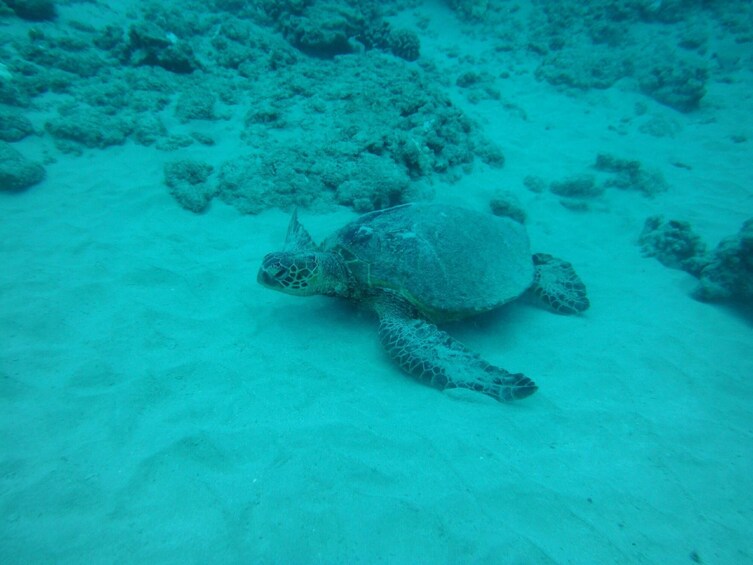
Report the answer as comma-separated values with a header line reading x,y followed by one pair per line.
x,y
16,171
506,205
33,10
187,181
580,186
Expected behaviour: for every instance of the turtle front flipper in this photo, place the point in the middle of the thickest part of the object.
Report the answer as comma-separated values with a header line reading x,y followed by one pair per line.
x,y
435,358
558,286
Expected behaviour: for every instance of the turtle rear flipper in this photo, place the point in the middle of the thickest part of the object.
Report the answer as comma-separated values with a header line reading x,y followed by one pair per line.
x,y
558,286
435,358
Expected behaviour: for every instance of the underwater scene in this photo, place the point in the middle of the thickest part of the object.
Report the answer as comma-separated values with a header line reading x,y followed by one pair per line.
x,y
398,282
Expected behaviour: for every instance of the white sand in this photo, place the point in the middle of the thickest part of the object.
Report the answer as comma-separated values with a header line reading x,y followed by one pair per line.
x,y
160,406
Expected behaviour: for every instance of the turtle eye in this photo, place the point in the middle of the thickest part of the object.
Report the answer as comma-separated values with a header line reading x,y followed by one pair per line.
x,y
280,273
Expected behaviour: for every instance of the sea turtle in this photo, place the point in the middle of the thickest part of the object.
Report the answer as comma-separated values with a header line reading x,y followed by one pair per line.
x,y
420,264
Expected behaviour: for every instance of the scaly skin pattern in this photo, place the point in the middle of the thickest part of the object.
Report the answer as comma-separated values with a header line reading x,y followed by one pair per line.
x,y
435,358
558,286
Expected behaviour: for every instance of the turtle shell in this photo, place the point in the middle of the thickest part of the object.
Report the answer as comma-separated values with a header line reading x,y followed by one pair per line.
x,y
449,262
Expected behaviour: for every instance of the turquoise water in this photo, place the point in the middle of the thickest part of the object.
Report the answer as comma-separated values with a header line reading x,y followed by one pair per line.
x,y
159,405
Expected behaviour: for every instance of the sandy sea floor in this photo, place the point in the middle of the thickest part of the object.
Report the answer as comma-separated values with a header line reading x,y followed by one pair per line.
x,y
160,406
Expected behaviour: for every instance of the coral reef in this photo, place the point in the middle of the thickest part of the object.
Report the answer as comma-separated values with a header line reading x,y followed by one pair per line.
x,y
729,272
412,130
323,29
187,181
370,182
87,127
470,9
253,183
585,45
14,126
149,44
674,244
584,67
268,63
332,28
405,44
630,175
725,274
195,104
676,83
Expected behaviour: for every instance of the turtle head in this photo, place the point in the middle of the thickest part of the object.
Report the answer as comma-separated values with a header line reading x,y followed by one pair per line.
x,y
301,273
